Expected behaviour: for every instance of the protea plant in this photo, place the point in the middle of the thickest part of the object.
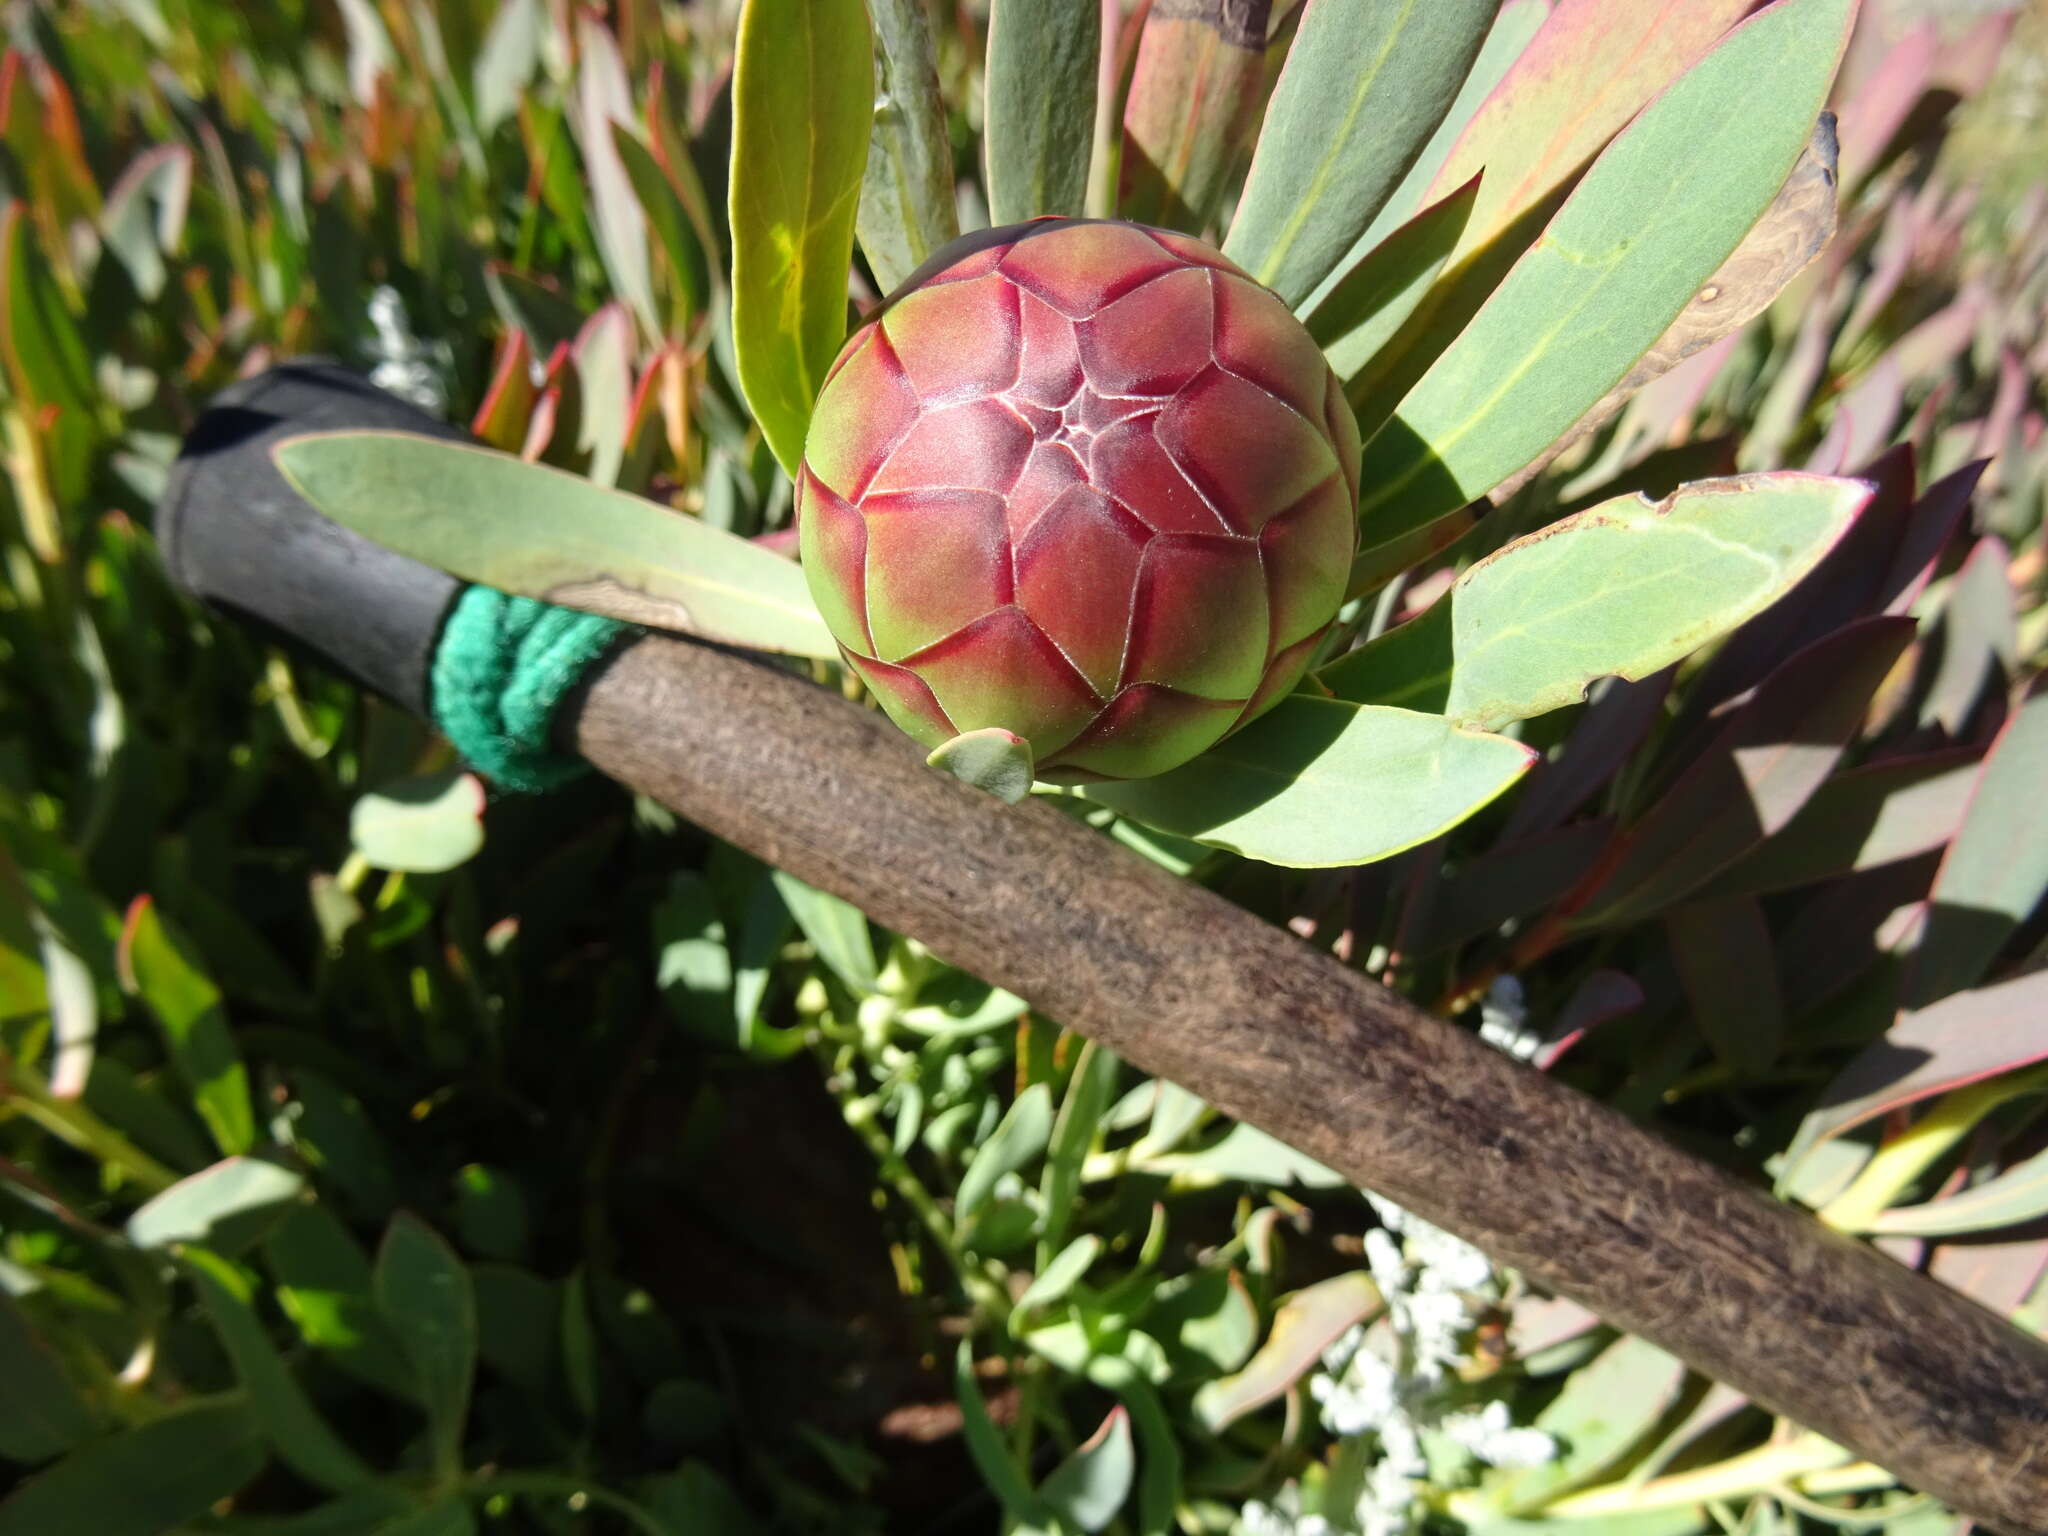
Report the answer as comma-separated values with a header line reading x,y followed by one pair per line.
x,y
1086,482
1140,507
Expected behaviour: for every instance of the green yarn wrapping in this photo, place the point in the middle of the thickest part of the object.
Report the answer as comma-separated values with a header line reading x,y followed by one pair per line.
x,y
502,668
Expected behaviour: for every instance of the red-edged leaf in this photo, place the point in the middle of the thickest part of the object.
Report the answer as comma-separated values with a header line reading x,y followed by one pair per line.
x,y
1869,114
1507,882
1979,637
1996,870
1603,995
508,404
1751,780
1960,1040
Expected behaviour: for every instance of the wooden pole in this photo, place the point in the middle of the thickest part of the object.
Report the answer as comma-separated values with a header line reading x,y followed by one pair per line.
x,y
1178,982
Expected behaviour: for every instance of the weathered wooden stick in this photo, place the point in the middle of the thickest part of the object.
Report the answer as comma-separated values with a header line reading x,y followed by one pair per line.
x,y
1182,984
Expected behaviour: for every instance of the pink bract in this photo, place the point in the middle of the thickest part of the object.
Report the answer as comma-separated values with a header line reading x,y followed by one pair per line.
x,y
1086,481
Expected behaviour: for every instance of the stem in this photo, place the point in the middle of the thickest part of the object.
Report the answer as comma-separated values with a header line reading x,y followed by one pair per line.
x,y
1908,1155
1752,1472
73,1123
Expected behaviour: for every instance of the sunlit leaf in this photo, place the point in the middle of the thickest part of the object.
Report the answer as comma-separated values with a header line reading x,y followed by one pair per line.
x,y
1629,587
1319,782
1305,1325
803,93
1653,218
1016,1142
423,825
1039,125
1359,96
534,531
160,967
907,209
1197,77
1090,1486
226,1207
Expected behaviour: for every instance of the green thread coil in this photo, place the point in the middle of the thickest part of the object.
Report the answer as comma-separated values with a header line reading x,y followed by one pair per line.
x,y
502,668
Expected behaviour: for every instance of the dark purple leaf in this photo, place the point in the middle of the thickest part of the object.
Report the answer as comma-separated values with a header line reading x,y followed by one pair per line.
x,y
1752,779
1929,527
1603,995
1722,950
1507,882
1978,639
1996,870
1620,716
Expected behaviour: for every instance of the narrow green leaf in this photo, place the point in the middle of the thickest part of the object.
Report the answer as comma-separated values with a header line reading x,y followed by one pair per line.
x,y
579,1347
526,529
1729,970
2019,1194
451,1516
1352,318
506,62
41,1413
1996,871
422,825
226,1207
1628,587
323,1284
1604,1409
803,94
1197,80
1052,1283
907,208
838,930
426,1300
604,99
668,218
1090,1486
985,1444
159,966
994,760
1317,783
283,1412
1081,1109
1754,775
1040,118
1408,667
1159,1477
1018,1139
143,1481
1648,224
1359,96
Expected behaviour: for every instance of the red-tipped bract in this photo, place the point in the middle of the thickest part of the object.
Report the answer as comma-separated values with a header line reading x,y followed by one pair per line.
x,y
1085,481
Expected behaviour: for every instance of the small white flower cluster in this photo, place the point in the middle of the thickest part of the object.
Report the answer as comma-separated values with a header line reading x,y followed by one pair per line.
x,y
1390,1383
414,370
1504,1020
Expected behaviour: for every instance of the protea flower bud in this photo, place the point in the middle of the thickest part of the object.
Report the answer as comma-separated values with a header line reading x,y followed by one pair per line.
x,y
1085,481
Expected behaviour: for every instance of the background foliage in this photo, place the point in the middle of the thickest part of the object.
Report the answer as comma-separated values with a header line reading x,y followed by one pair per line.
x,y
371,1164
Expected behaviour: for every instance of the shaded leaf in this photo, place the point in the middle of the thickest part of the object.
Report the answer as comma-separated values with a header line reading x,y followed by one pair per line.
x,y
1979,640
1752,779
668,217
142,1481
323,1285
1358,97
1959,1040
226,1207
1728,969
1319,782
42,1414
1073,1132
838,930
1352,318
427,1302
1894,809
423,825
907,209
526,529
985,1444
1052,1283
159,966
1629,587
802,94
1996,870
1506,882
284,1414
1408,667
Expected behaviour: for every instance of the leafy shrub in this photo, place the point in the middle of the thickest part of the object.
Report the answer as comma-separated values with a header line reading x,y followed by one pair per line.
x,y
371,1164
